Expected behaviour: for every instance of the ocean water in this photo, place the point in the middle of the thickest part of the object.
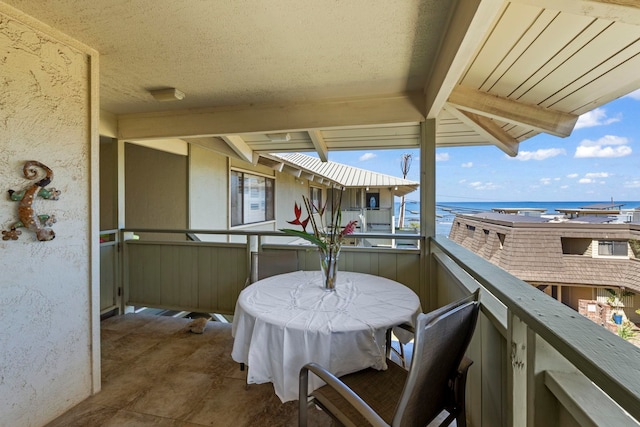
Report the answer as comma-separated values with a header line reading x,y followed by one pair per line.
x,y
446,211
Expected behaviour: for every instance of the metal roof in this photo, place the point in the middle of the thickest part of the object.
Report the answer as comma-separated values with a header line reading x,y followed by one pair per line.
x,y
603,206
347,176
508,217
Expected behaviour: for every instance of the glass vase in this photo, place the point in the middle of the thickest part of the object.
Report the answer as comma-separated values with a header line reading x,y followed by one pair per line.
x,y
329,268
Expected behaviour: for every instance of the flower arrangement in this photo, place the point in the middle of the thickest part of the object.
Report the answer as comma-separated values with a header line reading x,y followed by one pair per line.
x,y
324,236
327,237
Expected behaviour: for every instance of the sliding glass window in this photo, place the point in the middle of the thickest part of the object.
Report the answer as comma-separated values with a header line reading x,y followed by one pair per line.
x,y
252,198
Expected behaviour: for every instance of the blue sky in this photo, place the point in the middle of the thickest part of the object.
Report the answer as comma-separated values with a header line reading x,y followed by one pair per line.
x,y
600,160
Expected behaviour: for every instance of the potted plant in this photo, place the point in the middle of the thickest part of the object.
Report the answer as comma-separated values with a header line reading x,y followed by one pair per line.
x,y
615,301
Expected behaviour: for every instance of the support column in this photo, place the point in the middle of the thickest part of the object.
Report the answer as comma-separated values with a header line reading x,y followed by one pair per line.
x,y
428,293
122,281
428,178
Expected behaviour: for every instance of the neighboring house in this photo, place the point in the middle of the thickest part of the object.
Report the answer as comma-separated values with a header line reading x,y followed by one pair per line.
x,y
369,197
570,260
228,193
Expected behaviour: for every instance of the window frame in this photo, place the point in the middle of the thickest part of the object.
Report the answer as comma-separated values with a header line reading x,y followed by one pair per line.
x,y
597,243
267,198
313,189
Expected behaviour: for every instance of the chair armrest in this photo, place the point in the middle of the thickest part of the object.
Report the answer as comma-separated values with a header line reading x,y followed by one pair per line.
x,y
464,365
459,383
334,382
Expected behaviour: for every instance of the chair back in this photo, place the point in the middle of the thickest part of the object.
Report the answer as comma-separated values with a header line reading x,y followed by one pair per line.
x,y
441,340
267,264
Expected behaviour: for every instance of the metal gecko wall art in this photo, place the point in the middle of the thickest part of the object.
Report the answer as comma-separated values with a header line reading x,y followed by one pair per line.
x,y
27,216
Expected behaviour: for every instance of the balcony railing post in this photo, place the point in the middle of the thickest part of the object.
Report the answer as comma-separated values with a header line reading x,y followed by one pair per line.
x,y
544,410
517,372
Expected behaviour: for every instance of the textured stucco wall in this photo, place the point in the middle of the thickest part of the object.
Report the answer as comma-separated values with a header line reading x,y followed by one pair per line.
x,y
45,287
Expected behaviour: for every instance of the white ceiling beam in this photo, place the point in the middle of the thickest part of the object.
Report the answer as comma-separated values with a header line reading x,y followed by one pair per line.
x,y
270,162
237,144
627,11
319,144
292,170
510,111
488,129
465,33
174,146
214,144
352,112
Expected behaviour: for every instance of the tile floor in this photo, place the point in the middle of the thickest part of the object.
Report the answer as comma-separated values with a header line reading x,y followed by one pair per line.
x,y
155,373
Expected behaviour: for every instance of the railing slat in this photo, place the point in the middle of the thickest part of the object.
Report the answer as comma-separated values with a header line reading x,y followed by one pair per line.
x,y
585,402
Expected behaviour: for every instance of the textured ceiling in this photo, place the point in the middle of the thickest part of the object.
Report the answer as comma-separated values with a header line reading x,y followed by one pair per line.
x,y
352,74
250,52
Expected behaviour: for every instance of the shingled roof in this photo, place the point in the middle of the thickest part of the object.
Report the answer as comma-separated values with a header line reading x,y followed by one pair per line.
x,y
533,250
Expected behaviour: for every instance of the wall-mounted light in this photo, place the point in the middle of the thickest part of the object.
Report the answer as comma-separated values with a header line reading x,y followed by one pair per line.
x,y
167,94
279,137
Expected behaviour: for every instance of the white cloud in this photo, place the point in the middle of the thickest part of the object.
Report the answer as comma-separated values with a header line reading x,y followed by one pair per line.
x,y
542,154
367,156
635,94
597,117
442,157
608,146
596,175
608,152
605,140
572,175
545,181
467,165
632,184
564,187
479,185
585,181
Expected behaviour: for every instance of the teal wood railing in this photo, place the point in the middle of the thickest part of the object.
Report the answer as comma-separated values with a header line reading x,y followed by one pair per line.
x,y
537,361
206,276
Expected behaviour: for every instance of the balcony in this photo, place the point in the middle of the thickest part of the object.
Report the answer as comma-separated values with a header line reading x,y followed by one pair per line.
x,y
537,362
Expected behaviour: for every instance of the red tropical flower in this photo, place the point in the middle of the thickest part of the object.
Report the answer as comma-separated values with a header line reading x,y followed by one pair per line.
x,y
297,210
329,237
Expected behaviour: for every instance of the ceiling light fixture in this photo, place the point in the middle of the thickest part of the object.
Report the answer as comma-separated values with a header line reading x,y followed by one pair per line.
x,y
168,94
279,137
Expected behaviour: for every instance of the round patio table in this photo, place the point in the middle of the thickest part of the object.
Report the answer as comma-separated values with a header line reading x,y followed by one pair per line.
x,y
285,321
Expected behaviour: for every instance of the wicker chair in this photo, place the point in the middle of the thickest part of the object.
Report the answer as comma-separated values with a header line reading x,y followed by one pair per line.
x,y
435,381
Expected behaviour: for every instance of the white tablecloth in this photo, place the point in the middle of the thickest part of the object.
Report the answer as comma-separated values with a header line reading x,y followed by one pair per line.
x,y
285,321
